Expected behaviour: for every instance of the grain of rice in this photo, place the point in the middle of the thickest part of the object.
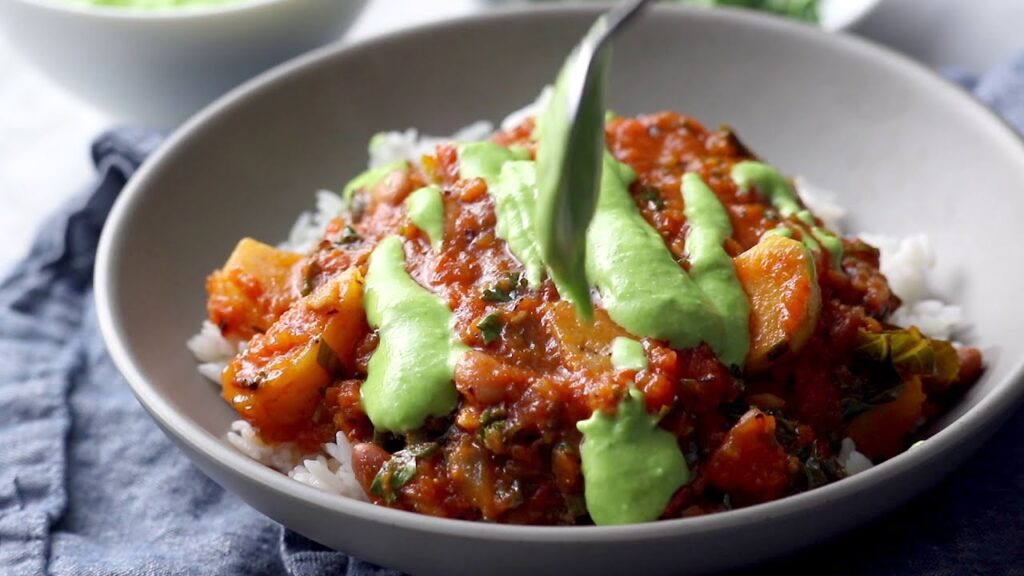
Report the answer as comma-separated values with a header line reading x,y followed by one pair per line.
x,y
852,461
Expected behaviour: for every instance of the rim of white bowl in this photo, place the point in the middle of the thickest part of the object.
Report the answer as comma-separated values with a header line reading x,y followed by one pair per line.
x,y
866,9
82,8
980,419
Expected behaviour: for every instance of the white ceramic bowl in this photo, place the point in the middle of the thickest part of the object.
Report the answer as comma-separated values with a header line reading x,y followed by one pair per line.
x,y
844,14
157,67
907,151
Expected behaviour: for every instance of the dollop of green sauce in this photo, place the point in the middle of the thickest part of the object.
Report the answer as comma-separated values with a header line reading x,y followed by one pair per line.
x,y
409,376
512,183
783,231
370,178
426,210
776,189
712,268
631,467
646,291
484,160
628,354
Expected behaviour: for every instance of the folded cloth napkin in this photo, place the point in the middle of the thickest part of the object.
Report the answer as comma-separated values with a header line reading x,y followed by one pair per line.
x,y
89,485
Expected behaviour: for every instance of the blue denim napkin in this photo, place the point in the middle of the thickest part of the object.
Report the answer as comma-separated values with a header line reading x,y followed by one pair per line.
x,y
89,485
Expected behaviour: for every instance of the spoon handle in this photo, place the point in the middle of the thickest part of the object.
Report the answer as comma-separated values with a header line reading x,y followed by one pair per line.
x,y
614,20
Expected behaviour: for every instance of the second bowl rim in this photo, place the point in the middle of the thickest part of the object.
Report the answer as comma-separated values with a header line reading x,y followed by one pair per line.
x,y
154,15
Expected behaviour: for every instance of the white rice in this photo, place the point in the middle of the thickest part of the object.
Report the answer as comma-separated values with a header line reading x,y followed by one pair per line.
x,y
389,147
852,461
281,457
212,350
309,228
331,472
905,262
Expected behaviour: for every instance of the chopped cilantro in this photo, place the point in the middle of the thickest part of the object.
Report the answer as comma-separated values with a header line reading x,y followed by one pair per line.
x,y
490,327
348,236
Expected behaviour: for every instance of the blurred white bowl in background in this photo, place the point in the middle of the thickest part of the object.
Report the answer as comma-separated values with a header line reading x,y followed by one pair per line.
x,y
833,15
157,67
844,14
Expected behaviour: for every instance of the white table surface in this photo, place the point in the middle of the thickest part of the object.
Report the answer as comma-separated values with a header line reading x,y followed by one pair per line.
x,y
45,133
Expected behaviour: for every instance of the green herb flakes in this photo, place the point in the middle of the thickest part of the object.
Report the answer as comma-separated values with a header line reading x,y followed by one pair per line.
x,y
505,290
399,470
490,327
348,236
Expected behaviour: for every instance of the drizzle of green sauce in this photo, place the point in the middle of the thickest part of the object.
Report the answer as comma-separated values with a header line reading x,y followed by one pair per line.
x,y
809,239
512,182
370,178
772,185
783,231
515,196
624,255
832,243
426,210
409,376
628,354
712,268
484,160
776,189
631,467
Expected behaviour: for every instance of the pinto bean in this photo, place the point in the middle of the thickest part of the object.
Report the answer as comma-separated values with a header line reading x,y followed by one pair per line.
x,y
367,459
486,379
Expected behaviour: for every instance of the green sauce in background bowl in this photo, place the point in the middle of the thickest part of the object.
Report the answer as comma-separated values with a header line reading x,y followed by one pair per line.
x,y
805,10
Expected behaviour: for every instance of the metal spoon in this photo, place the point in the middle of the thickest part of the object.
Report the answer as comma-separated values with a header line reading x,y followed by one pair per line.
x,y
569,156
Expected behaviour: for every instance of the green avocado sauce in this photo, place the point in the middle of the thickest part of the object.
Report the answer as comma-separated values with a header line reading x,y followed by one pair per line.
x,y
426,210
624,254
805,10
484,160
783,231
712,268
628,354
771,184
512,182
370,178
409,376
631,467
